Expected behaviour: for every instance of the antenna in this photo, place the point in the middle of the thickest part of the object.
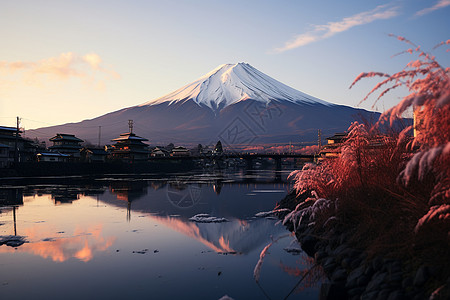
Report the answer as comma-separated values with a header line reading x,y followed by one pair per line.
x,y
130,125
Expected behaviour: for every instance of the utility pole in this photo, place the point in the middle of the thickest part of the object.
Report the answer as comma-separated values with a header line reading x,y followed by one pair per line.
x,y
99,135
130,125
16,144
319,137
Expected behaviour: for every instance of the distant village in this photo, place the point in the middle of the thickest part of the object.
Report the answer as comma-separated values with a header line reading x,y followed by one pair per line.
x,y
128,147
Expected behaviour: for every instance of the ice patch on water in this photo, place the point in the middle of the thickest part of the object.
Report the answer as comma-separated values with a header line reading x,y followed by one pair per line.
x,y
206,218
12,240
294,247
226,297
144,251
48,239
265,214
227,252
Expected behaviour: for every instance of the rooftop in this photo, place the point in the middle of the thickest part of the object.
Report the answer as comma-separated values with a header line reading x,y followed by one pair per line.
x,y
53,154
129,136
95,151
67,137
9,129
338,136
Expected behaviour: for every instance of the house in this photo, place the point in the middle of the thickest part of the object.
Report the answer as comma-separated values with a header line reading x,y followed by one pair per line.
x,y
129,148
10,138
108,148
52,157
28,149
66,144
5,160
89,154
180,151
332,149
218,149
159,152
206,151
337,138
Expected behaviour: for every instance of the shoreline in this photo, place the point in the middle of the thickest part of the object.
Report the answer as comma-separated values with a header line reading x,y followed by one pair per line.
x,y
40,169
354,273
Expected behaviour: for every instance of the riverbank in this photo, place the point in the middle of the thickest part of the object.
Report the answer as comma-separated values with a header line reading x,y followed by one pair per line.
x,y
356,272
38,169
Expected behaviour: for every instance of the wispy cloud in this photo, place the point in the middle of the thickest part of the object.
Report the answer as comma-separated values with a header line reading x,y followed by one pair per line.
x,y
320,32
440,4
63,67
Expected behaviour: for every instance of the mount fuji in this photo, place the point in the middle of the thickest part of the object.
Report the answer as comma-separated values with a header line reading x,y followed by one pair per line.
x,y
234,103
229,84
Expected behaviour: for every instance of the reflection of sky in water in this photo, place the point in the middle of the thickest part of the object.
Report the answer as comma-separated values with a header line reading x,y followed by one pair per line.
x,y
132,238
82,245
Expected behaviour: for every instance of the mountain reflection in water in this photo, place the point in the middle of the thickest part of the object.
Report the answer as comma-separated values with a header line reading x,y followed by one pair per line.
x,y
236,236
80,230
172,202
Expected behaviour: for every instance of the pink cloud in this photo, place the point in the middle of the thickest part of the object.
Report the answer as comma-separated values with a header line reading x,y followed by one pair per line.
x,y
93,60
440,4
63,67
320,32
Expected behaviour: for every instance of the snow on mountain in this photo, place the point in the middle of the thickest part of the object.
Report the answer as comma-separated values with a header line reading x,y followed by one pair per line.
x,y
234,103
232,83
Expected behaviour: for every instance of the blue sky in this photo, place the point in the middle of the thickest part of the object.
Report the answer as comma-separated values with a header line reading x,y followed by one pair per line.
x,y
66,61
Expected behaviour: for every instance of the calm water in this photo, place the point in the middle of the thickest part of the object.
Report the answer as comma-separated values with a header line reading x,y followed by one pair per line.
x,y
123,238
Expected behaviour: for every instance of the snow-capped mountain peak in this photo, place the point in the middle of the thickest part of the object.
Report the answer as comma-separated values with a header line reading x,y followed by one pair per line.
x,y
259,110
231,83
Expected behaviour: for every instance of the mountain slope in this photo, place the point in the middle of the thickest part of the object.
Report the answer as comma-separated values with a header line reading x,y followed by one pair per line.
x,y
236,104
231,83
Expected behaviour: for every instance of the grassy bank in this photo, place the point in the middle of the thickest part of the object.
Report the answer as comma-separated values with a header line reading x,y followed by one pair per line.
x,y
388,193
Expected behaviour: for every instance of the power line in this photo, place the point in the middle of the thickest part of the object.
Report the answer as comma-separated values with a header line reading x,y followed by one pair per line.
x,y
73,126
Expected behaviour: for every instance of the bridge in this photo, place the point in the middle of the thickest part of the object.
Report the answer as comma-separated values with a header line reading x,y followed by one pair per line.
x,y
278,157
248,157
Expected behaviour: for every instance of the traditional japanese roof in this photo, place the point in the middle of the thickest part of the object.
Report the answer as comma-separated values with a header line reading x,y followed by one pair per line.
x,y
129,136
65,147
8,132
160,149
56,154
180,148
127,151
95,151
6,128
337,136
67,137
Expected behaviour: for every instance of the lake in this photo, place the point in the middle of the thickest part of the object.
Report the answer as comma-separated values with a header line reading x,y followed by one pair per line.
x,y
126,237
